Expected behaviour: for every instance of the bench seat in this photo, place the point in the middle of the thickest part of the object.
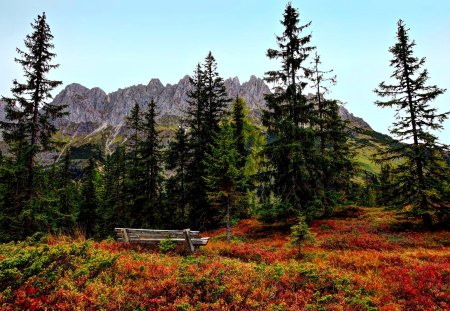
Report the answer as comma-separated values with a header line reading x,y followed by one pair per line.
x,y
154,236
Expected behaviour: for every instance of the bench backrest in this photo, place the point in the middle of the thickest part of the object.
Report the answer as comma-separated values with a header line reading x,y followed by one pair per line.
x,y
135,235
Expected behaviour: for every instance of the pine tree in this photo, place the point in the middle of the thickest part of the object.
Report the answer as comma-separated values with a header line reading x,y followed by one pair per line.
x,y
238,130
334,156
10,226
207,101
114,210
89,205
222,173
29,125
290,150
197,198
67,194
152,165
134,168
422,172
385,193
134,126
215,97
176,161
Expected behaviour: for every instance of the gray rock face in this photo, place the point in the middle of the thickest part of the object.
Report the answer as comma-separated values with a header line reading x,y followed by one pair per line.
x,y
2,110
356,121
84,105
94,106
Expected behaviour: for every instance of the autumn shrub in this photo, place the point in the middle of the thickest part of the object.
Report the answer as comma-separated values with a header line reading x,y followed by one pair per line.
x,y
356,264
348,212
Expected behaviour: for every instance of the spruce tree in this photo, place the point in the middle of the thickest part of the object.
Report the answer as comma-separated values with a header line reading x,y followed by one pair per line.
x,y
422,172
114,210
216,99
197,198
222,173
177,158
334,155
207,102
290,149
134,168
67,194
151,156
29,123
134,127
238,130
89,205
10,225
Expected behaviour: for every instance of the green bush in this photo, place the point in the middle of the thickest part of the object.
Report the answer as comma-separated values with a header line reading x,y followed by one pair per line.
x,y
274,211
167,245
300,232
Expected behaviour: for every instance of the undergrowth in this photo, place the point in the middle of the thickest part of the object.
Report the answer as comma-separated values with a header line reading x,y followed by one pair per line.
x,y
356,262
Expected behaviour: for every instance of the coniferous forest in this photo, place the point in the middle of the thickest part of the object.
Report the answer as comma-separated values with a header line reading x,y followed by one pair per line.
x,y
296,221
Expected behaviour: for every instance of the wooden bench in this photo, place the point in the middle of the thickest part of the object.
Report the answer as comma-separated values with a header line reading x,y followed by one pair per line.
x,y
192,239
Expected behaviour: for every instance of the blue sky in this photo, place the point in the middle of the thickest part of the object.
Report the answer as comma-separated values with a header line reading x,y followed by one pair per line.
x,y
118,43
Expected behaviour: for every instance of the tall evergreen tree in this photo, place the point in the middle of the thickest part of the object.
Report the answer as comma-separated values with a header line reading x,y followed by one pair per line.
x,y
134,126
238,130
197,198
152,165
222,173
334,156
422,171
89,205
207,102
216,98
176,161
114,210
67,194
29,125
290,151
134,169
10,204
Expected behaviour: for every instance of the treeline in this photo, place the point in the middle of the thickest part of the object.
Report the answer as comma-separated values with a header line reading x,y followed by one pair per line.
x,y
219,166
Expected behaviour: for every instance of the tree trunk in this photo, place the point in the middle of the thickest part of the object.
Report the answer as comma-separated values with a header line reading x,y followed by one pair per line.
x,y
416,145
427,220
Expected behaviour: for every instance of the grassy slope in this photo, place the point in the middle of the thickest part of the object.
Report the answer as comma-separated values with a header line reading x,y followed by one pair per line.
x,y
361,262
367,144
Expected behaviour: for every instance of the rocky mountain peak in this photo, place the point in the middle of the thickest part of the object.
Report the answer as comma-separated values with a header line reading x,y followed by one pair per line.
x,y
156,84
96,106
356,121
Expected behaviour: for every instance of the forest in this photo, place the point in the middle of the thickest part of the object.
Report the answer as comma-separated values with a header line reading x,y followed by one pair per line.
x,y
281,194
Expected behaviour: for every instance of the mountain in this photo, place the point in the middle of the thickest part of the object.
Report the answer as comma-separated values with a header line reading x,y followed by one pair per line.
x,y
95,106
90,107
95,121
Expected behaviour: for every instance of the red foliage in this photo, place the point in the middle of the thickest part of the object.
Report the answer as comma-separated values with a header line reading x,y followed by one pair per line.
x,y
356,264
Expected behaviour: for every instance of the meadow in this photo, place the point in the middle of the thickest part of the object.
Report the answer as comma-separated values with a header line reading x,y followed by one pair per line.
x,y
361,259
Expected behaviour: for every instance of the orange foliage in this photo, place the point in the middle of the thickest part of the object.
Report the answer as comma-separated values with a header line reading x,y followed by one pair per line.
x,y
356,263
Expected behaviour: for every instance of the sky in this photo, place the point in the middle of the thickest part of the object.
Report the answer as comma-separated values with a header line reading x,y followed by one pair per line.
x,y
118,43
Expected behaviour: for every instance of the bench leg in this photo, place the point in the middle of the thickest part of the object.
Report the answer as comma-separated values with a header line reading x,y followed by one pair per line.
x,y
187,236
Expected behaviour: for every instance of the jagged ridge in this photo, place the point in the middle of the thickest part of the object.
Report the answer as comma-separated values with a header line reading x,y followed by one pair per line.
x,y
94,106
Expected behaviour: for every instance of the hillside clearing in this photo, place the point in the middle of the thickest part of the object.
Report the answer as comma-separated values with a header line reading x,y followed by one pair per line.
x,y
359,261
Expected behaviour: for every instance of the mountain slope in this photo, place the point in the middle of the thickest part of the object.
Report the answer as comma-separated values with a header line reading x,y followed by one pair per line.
x,y
96,119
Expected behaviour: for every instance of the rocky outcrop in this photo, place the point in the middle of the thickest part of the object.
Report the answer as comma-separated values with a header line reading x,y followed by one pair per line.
x,y
355,121
84,105
94,106
2,110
